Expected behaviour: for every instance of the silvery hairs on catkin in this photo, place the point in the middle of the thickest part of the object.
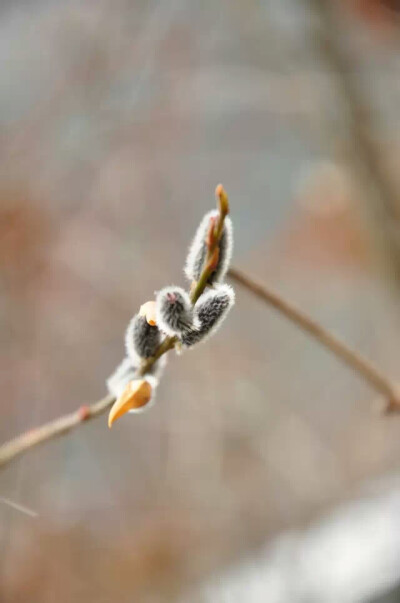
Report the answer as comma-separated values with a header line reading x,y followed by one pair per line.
x,y
176,316
207,315
174,311
141,339
198,250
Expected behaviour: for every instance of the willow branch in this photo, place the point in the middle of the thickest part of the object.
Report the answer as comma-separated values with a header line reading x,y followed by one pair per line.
x,y
351,358
61,426
21,444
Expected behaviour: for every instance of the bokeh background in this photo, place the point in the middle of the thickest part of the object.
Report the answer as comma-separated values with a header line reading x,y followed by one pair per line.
x,y
262,474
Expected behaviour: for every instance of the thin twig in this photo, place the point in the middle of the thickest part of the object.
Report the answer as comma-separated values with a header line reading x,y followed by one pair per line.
x,y
52,430
349,357
18,507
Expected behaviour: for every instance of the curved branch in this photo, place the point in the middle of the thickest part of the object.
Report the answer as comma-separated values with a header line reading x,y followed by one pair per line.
x,y
348,356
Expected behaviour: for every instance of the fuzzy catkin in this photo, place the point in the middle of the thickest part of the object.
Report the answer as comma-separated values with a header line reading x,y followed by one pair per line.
x,y
141,339
174,311
210,311
198,250
126,371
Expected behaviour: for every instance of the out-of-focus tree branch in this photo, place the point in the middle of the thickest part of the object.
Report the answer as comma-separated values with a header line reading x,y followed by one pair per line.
x,y
382,199
350,357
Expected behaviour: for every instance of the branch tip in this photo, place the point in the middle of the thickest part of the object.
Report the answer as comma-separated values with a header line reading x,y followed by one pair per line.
x,y
223,201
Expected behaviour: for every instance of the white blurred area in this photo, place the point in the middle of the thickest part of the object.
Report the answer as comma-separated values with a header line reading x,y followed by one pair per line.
x,y
352,555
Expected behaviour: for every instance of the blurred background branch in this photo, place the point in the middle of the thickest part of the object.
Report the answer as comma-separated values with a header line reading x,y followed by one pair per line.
x,y
354,360
361,153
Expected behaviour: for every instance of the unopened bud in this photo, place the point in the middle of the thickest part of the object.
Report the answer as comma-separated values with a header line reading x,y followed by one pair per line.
x,y
141,339
135,396
84,413
223,201
148,310
210,310
174,311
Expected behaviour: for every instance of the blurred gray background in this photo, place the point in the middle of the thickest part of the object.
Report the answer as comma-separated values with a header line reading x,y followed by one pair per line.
x,y
117,120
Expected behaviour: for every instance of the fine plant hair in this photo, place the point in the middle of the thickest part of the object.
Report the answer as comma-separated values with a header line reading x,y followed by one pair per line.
x,y
211,310
203,320
141,338
174,311
198,250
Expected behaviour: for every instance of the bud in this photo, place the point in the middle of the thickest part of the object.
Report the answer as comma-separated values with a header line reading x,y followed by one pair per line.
x,y
127,371
141,339
84,413
211,310
136,395
174,312
198,249
222,198
148,310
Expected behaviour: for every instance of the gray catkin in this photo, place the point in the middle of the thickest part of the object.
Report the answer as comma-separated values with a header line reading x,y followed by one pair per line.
x,y
141,339
210,311
198,250
174,312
